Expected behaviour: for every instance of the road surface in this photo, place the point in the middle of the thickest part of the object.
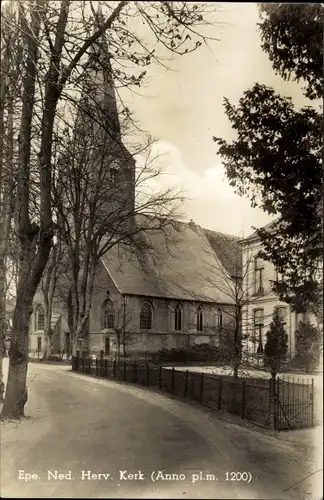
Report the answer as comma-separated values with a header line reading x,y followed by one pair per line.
x,y
102,439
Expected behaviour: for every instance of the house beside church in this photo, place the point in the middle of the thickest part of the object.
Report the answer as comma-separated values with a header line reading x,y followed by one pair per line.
x,y
262,301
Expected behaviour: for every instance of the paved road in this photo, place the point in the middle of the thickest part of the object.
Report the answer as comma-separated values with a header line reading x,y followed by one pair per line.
x,y
81,427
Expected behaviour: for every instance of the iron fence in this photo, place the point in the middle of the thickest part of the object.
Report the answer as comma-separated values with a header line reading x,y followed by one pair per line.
x,y
294,404
276,403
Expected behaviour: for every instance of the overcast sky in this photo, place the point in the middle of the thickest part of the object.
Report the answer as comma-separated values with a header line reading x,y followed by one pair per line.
x,y
183,108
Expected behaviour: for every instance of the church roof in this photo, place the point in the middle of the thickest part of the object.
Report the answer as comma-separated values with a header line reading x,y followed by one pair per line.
x,y
184,262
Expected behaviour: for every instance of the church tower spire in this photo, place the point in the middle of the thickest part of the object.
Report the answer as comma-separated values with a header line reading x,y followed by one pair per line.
x,y
99,87
100,138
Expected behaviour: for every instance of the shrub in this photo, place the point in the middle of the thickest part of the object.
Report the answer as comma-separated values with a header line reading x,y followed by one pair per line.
x,y
197,352
308,346
277,342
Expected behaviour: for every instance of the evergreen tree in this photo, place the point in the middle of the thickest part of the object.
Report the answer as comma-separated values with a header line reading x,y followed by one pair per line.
x,y
277,342
276,159
308,343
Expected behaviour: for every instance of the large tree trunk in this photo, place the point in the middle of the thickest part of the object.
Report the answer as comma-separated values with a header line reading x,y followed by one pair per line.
x,y
6,189
4,235
16,391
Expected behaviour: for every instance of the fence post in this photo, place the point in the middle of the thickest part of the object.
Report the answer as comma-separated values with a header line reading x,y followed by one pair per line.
x,y
77,360
220,388
135,372
97,367
83,362
89,365
243,386
186,384
276,402
125,371
273,402
160,377
114,369
172,380
106,367
147,375
201,394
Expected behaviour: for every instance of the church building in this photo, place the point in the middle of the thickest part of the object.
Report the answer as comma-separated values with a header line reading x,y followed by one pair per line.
x,y
173,290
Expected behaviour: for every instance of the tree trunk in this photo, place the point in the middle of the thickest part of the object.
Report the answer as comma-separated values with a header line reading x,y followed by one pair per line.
x,y
48,333
237,342
6,208
82,321
16,391
48,285
6,188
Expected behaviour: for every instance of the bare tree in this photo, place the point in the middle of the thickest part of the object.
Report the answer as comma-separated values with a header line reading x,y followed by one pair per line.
x,y
54,39
231,281
103,202
228,279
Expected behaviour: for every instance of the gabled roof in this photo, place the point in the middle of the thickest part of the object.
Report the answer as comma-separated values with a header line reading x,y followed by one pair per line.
x,y
178,263
254,236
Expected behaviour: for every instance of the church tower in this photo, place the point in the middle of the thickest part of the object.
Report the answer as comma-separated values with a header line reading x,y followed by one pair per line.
x,y
100,136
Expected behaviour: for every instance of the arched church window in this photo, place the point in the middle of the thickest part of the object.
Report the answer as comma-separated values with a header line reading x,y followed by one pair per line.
x,y
218,319
178,318
108,317
40,318
200,319
146,316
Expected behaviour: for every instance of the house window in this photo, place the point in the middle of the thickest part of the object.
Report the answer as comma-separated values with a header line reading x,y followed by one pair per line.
x,y
146,316
107,346
258,329
218,319
258,276
178,318
282,311
40,318
108,318
39,344
200,319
